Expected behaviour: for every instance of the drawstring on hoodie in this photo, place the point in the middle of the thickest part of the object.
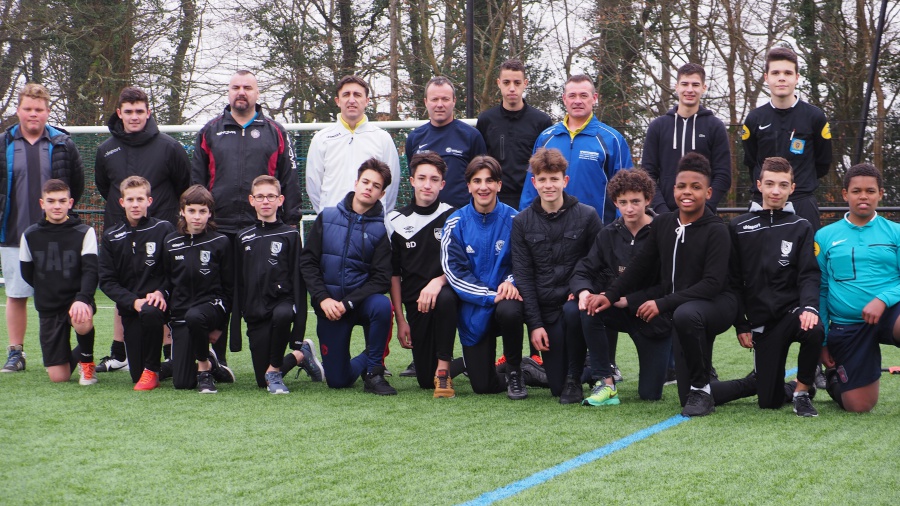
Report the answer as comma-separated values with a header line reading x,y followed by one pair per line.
x,y
684,132
680,232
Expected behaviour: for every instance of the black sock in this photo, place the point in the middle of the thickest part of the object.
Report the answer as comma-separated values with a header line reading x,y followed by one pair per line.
x,y
75,358
290,362
116,351
167,351
86,346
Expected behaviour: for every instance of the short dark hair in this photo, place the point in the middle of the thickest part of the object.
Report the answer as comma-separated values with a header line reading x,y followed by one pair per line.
x,y
427,158
55,185
513,65
548,160
196,195
348,79
484,162
777,164
689,69
862,170
580,78
781,54
132,95
266,179
134,182
378,166
244,72
631,180
695,162
440,81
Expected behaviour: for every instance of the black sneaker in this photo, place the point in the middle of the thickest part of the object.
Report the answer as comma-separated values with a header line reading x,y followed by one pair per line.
x,y
699,403
374,383
310,362
572,392
515,385
789,388
205,383
803,406
410,371
221,372
534,373
165,370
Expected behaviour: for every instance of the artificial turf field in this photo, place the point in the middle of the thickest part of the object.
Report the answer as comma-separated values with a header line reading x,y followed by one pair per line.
x,y
106,444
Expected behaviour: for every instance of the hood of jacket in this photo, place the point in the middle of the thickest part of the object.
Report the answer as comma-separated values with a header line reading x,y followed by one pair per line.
x,y
117,129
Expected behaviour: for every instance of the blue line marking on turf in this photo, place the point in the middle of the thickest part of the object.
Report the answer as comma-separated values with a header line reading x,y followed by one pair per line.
x,y
585,458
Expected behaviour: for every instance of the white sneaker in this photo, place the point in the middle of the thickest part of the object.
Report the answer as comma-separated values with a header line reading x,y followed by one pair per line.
x,y
110,364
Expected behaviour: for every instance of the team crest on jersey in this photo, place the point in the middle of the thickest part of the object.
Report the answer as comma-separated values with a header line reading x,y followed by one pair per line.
x,y
499,245
437,233
275,248
204,256
255,134
786,247
151,248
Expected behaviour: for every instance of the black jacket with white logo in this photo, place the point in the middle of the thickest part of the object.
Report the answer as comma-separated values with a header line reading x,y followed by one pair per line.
x,y
131,261
199,270
773,266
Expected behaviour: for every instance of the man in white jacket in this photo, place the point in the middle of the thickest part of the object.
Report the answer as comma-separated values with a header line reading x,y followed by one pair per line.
x,y
337,151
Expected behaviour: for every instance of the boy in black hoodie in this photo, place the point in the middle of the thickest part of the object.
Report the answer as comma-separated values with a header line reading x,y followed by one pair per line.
x,y
270,293
548,238
131,274
198,289
775,272
689,250
686,128
58,257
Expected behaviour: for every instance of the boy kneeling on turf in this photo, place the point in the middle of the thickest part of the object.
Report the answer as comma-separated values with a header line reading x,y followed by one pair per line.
x,y
270,294
199,284
346,265
58,258
131,274
859,292
429,326
776,276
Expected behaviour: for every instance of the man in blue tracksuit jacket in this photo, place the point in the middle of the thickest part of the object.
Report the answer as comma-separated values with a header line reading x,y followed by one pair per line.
x,y
476,257
595,151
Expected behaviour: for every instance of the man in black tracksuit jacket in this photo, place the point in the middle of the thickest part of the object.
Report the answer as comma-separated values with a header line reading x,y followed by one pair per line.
x,y
148,153
131,267
510,129
234,148
229,155
775,273
687,127
548,238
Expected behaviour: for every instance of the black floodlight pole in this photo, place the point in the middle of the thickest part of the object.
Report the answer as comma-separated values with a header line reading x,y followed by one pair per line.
x,y
873,67
470,58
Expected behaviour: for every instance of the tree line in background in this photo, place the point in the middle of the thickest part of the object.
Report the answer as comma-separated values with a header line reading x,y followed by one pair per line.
x,y
183,51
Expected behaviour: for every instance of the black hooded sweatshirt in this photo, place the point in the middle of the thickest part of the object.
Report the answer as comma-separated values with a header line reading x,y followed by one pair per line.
x,y
692,261
670,137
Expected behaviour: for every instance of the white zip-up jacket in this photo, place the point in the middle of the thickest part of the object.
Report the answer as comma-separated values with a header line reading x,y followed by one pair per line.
x,y
335,154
